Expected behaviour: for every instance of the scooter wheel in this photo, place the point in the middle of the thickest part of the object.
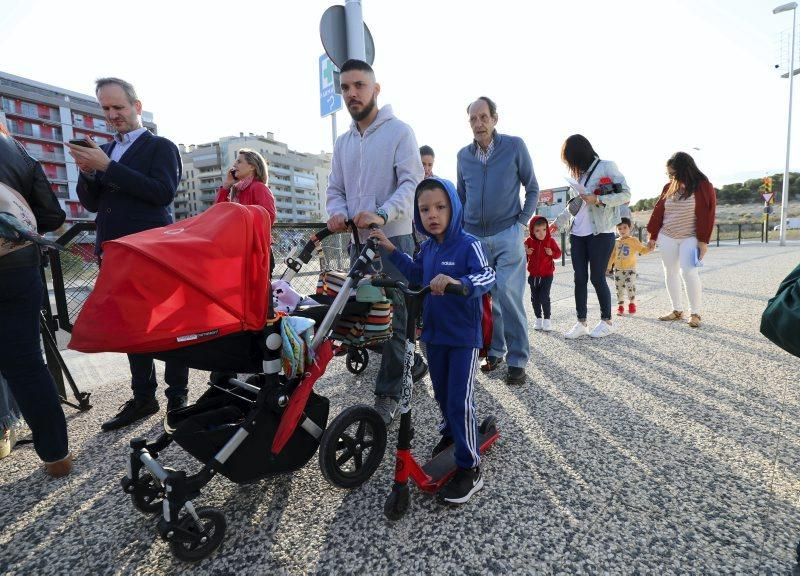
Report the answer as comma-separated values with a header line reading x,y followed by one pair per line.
x,y
489,423
357,360
352,446
211,531
148,493
397,502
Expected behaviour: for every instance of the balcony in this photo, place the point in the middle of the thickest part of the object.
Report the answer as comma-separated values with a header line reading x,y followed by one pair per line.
x,y
208,197
47,156
28,133
11,111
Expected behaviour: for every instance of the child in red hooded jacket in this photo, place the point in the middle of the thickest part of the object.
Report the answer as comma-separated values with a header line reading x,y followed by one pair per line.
x,y
542,250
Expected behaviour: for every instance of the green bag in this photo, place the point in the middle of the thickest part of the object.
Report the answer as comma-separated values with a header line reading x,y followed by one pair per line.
x,y
780,322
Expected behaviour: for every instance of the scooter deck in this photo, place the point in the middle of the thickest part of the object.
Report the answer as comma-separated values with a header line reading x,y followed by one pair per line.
x,y
443,466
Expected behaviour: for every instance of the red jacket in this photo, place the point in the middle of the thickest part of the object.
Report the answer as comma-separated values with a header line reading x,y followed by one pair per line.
x,y
705,209
256,194
539,263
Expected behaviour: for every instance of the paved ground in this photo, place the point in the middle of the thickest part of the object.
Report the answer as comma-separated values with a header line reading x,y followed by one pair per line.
x,y
660,450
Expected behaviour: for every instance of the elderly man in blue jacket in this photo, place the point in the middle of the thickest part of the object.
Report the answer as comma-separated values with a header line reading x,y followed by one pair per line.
x,y
130,183
490,173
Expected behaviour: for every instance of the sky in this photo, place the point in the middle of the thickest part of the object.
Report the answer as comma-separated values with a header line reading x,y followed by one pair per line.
x,y
640,79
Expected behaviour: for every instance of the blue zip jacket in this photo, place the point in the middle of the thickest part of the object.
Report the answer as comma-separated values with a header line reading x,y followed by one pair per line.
x,y
449,319
490,192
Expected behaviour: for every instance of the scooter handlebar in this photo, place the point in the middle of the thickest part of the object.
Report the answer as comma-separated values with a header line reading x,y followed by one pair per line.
x,y
457,289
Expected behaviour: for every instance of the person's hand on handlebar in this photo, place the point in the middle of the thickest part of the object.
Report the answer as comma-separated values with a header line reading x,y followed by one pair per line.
x,y
383,241
337,223
365,218
440,282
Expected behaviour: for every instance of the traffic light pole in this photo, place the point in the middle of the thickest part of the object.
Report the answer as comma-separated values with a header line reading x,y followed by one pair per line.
x,y
785,188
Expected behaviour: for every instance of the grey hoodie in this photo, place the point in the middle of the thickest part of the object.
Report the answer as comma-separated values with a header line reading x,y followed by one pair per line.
x,y
379,169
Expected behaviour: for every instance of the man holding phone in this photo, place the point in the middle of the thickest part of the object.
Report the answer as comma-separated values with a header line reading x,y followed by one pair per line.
x,y
130,183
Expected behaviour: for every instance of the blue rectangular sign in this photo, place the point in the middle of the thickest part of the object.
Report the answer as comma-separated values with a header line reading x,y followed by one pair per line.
x,y
329,100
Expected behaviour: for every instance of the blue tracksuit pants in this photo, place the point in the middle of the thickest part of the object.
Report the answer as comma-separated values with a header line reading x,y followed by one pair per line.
x,y
452,371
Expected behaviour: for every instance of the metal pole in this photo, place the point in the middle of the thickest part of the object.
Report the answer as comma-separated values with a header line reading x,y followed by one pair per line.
x,y
333,130
785,190
354,23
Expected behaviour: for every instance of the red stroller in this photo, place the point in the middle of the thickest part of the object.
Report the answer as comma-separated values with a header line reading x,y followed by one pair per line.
x,y
198,291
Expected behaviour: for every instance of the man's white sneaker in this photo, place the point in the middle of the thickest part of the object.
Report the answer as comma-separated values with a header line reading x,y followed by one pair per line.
x,y
537,325
546,325
577,331
602,329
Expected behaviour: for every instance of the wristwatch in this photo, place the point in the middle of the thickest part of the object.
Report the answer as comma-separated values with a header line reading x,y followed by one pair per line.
x,y
383,214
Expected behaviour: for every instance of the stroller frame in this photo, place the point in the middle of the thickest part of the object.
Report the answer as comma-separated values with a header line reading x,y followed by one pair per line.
x,y
194,533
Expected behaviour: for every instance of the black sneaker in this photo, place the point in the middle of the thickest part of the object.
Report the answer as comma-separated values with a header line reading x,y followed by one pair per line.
x,y
464,484
173,403
516,376
132,411
444,443
419,369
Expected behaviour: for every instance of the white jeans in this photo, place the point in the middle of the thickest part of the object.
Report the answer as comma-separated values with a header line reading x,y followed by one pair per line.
x,y
678,259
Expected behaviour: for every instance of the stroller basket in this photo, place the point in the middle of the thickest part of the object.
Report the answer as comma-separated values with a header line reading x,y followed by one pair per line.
x,y
204,428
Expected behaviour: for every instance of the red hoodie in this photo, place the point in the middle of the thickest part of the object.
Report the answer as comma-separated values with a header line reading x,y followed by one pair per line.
x,y
539,263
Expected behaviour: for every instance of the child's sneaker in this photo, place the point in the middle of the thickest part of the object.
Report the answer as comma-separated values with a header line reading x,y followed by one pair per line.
x,y
547,325
631,308
620,310
465,483
537,325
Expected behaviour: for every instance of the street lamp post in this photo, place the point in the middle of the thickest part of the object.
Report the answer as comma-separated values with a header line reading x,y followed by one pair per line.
x,y
785,191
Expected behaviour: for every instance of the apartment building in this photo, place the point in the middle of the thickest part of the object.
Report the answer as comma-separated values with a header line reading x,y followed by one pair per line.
x,y
42,118
298,180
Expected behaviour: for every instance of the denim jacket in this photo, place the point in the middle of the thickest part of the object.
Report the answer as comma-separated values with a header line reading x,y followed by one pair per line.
x,y
604,218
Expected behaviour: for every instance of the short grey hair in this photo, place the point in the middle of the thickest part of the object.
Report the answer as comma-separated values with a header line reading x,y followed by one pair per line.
x,y
130,91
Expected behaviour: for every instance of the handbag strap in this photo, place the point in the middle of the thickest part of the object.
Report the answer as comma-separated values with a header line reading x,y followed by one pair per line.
x,y
591,171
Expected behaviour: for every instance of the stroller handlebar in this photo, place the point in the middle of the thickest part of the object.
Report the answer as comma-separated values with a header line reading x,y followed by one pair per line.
x,y
457,289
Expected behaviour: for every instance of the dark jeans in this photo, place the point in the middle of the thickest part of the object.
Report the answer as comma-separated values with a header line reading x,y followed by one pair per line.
x,y
21,362
590,256
540,294
143,377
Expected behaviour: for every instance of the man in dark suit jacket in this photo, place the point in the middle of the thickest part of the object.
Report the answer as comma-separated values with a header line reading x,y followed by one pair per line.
x,y
130,183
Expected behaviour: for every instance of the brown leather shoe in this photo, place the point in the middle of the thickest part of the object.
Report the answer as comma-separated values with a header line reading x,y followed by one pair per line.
x,y
59,468
674,315
491,363
694,321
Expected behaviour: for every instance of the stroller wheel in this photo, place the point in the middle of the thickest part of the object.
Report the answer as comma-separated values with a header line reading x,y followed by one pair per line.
x,y
357,360
352,446
148,493
212,529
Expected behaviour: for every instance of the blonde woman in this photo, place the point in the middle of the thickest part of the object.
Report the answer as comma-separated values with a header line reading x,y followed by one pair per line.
x,y
681,224
246,183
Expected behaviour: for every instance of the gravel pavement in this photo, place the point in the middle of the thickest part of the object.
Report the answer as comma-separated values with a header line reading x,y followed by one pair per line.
x,y
661,449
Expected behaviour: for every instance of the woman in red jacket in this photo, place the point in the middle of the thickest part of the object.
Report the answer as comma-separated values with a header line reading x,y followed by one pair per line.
x,y
682,222
246,183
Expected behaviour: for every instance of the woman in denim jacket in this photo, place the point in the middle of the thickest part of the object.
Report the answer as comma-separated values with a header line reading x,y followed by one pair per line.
x,y
591,217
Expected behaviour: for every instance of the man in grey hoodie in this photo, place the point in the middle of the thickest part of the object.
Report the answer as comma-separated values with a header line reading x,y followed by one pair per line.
x,y
375,169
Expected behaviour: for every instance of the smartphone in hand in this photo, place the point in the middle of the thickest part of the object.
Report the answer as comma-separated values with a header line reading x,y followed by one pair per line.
x,y
232,172
80,142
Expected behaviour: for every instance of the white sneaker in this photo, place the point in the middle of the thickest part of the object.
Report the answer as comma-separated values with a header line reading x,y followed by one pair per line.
x,y
538,324
577,331
602,329
546,325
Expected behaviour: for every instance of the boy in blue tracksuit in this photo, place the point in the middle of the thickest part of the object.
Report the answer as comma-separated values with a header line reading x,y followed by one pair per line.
x,y
451,324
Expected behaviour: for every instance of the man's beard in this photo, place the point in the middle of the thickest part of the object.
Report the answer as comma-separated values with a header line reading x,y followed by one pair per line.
x,y
359,116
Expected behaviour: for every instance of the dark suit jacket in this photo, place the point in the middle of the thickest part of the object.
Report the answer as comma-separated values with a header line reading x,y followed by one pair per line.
x,y
133,194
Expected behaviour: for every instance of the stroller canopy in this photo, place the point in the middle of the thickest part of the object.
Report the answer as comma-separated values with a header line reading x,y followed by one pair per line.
x,y
189,282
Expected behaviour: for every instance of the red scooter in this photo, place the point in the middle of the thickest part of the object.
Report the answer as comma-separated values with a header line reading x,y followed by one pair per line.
x,y
434,474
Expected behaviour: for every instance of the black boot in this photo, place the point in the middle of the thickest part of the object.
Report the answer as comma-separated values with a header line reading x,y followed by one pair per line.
x,y
132,411
173,403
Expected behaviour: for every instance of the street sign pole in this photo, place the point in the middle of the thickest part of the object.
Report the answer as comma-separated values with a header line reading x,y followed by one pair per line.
x,y
354,24
333,130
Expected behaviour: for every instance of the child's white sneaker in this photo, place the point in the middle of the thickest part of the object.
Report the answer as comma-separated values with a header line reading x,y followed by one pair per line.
x,y
577,331
537,325
546,325
602,329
